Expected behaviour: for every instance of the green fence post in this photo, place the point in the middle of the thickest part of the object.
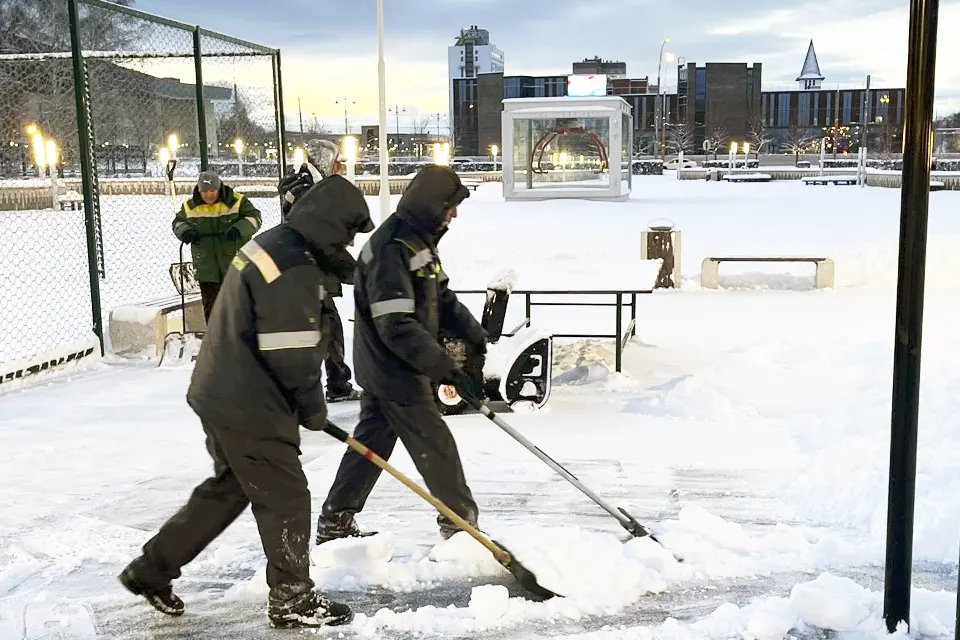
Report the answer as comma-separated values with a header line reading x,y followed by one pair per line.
x,y
201,107
90,205
281,119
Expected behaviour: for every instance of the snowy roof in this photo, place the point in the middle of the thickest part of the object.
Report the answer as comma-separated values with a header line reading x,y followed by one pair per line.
x,y
811,68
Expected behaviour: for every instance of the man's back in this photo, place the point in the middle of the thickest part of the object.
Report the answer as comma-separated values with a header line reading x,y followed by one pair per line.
x,y
232,382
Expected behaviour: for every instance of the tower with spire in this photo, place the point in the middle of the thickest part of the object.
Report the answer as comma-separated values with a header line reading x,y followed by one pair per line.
x,y
810,76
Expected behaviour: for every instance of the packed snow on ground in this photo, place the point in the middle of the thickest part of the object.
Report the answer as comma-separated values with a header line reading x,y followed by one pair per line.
x,y
749,429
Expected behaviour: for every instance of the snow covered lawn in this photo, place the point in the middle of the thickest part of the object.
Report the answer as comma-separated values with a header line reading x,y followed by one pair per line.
x,y
749,430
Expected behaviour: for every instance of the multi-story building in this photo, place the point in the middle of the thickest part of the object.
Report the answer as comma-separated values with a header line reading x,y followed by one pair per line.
x,y
845,118
717,102
478,103
610,68
471,54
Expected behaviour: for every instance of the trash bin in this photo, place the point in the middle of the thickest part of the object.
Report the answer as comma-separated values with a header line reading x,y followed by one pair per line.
x,y
662,241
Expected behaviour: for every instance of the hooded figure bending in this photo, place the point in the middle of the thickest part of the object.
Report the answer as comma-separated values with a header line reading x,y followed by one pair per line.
x,y
402,302
257,379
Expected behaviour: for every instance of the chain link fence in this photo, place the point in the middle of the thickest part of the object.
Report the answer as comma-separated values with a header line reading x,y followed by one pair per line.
x,y
85,202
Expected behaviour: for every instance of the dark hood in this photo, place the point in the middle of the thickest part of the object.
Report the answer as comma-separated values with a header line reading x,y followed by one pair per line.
x,y
431,192
330,214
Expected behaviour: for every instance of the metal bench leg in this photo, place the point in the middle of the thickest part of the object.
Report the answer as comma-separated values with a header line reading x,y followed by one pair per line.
x,y
824,277
710,274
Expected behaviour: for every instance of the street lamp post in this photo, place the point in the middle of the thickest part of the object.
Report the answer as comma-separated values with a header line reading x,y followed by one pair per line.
x,y
493,151
52,157
238,146
347,103
656,106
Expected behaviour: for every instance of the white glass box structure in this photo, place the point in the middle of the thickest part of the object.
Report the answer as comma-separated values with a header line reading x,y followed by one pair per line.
x,y
567,147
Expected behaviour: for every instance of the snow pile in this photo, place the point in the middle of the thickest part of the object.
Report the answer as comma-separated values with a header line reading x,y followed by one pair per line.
x,y
876,266
594,573
506,280
829,603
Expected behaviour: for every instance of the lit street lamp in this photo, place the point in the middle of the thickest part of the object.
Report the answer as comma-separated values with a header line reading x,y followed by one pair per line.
x,y
238,146
493,152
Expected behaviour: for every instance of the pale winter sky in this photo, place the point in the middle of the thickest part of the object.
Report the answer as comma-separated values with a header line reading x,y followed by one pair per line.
x,y
329,47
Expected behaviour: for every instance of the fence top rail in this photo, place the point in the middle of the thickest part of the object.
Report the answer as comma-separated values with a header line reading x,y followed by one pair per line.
x,y
237,41
125,55
137,13
565,292
151,17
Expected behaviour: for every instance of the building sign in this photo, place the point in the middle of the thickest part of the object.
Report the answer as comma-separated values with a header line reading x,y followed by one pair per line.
x,y
587,85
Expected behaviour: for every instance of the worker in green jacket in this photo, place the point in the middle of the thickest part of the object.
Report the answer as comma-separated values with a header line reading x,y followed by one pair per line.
x,y
215,222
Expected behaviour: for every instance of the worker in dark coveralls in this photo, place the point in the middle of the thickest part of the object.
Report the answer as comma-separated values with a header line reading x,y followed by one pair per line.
x,y
402,301
257,379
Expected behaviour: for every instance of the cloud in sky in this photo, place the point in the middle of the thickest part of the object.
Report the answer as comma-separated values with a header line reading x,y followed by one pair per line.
x,y
330,48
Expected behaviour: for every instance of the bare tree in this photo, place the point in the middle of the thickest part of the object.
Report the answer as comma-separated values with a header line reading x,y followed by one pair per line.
x,y
718,139
421,125
642,145
679,138
757,135
316,126
798,141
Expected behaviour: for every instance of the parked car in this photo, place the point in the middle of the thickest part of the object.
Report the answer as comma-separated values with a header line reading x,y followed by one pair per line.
x,y
674,163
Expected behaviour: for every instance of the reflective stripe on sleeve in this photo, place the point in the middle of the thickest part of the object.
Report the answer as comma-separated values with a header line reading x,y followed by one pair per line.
x,y
287,340
397,305
262,260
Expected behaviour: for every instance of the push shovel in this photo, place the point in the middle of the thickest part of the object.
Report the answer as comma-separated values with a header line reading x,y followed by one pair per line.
x,y
524,576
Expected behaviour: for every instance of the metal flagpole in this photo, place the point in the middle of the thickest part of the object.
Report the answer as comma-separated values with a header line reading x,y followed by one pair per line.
x,y
382,77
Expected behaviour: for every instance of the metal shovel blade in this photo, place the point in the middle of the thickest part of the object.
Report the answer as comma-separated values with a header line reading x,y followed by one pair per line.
x,y
524,576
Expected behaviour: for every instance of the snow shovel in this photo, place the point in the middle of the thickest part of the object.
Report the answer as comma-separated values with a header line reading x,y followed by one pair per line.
x,y
176,343
525,577
627,521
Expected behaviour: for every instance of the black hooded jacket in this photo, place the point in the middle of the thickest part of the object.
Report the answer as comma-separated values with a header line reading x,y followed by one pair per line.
x,y
402,295
259,366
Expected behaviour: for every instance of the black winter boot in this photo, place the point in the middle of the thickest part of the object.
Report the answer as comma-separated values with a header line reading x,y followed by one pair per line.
x,y
163,599
339,525
345,394
448,528
308,610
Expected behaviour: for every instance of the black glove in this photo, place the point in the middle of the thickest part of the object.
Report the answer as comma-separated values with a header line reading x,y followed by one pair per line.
x,y
316,422
466,385
480,347
189,236
233,234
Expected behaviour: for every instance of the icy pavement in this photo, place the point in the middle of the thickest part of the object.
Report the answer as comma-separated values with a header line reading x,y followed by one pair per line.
x,y
749,430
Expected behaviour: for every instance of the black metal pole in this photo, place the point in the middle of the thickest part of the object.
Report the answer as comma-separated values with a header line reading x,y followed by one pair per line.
x,y
201,107
619,338
914,203
86,168
956,627
281,118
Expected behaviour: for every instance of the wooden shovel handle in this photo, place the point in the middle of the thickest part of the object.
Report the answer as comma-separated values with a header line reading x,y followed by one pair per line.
x,y
500,554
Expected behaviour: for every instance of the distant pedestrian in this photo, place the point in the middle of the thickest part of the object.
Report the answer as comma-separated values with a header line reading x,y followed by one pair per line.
x,y
324,160
216,221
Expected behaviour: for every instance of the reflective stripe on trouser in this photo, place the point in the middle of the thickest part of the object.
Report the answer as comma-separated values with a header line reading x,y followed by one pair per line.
x,y
427,440
397,305
288,340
